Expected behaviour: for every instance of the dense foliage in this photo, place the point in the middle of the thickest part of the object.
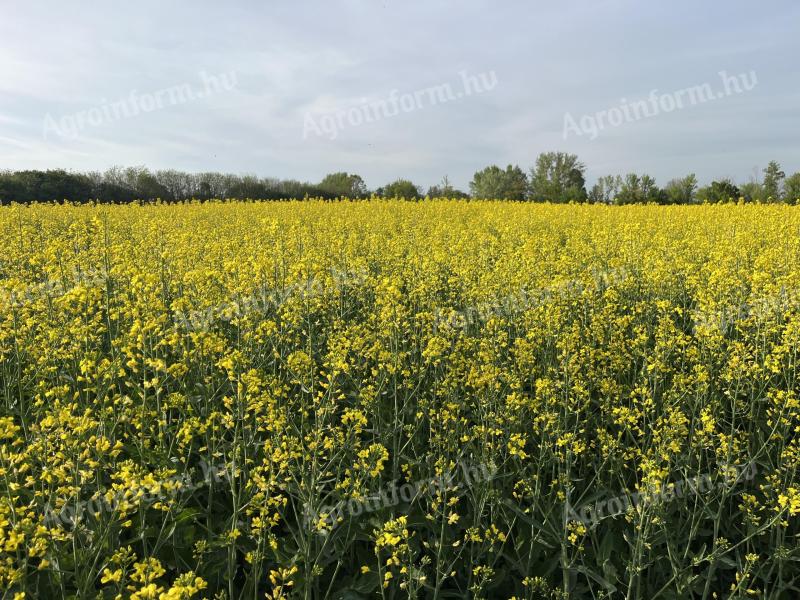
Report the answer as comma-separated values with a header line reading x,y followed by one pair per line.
x,y
556,177
222,400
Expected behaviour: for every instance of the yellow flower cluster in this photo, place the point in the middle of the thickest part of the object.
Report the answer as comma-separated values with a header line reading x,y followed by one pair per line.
x,y
239,399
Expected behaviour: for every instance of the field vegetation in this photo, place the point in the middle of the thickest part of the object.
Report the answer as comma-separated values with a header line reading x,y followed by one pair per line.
x,y
387,399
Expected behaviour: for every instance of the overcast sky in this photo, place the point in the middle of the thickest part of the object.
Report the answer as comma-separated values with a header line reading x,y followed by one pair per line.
x,y
86,85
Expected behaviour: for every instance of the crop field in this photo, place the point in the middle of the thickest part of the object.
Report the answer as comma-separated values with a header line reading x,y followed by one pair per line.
x,y
388,399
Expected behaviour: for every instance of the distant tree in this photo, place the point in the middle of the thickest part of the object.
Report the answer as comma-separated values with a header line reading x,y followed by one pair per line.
x,y
554,171
113,193
723,190
245,186
124,184
637,189
212,186
498,184
45,186
118,184
791,189
347,185
293,189
630,190
752,191
605,189
445,190
146,185
9,189
680,190
176,183
557,177
773,179
400,188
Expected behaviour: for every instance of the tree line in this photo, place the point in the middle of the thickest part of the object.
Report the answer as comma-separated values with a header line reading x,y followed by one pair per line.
x,y
555,177
560,177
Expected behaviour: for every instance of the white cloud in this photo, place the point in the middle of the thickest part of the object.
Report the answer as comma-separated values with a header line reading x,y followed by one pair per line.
x,y
319,57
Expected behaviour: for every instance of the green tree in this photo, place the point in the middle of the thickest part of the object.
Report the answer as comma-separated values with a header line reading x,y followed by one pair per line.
x,y
605,189
773,178
558,177
344,185
445,190
637,189
723,190
46,186
146,186
400,188
791,189
681,190
498,184
752,191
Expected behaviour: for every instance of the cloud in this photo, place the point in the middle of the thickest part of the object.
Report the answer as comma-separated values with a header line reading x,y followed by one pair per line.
x,y
292,60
